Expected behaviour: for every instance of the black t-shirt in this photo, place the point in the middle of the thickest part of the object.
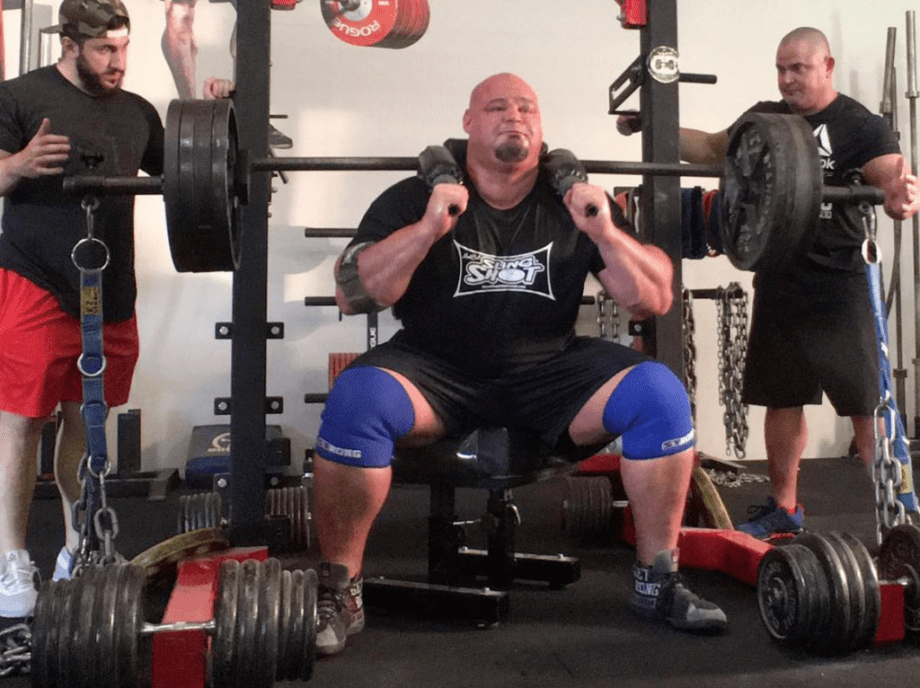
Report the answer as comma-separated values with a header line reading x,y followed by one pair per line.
x,y
501,292
41,224
848,136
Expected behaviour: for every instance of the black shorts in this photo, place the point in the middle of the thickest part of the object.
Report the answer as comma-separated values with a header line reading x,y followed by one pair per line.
x,y
799,349
544,398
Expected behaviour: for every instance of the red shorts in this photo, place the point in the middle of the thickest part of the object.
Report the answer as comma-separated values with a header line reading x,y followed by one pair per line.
x,y
39,348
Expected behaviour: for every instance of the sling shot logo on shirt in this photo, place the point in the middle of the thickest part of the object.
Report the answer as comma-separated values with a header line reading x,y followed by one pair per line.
x,y
826,153
483,272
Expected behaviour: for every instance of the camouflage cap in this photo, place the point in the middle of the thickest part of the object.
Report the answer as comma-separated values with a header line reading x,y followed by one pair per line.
x,y
92,18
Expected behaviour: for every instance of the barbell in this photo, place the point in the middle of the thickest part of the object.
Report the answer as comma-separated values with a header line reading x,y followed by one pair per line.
x,y
771,181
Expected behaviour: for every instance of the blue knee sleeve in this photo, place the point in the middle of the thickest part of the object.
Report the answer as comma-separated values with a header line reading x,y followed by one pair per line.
x,y
366,412
650,410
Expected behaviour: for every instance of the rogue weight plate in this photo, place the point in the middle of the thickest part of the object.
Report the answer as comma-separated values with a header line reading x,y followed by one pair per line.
x,y
771,190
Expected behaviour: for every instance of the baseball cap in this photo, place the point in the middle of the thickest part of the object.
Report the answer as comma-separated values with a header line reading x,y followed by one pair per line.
x,y
92,18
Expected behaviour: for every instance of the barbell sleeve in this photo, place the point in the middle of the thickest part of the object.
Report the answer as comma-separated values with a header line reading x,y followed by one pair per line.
x,y
115,186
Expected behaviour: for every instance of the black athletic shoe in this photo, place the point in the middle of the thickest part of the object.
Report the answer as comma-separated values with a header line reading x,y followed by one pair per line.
x,y
660,593
278,140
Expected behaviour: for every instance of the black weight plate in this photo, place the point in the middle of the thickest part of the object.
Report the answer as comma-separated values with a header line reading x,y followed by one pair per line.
x,y
311,584
899,557
46,624
284,627
223,654
268,619
871,589
83,651
107,631
297,664
128,624
70,622
250,673
771,190
198,185
819,607
292,503
834,639
854,575
588,508
783,596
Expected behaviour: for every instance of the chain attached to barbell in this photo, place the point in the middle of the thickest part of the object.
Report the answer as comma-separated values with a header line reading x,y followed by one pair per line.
x,y
731,303
688,330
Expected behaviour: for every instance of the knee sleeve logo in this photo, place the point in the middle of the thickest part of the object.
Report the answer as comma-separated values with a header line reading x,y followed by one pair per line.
x,y
482,272
678,442
337,451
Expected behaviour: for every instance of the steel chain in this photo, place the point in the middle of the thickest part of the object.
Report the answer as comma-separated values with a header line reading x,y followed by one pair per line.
x,y
15,650
886,473
732,349
608,317
730,479
95,520
688,330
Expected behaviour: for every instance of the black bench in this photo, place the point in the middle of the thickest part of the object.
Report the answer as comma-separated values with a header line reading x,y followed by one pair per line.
x,y
474,583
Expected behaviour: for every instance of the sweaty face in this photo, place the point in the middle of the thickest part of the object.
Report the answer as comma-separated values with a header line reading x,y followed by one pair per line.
x,y
803,74
101,65
504,118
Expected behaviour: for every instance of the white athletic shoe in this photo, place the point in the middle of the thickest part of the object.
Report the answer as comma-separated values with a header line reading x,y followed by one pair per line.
x,y
63,565
17,584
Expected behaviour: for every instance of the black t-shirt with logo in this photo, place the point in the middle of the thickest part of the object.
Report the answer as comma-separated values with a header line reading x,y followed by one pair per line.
x,y
848,136
116,134
499,293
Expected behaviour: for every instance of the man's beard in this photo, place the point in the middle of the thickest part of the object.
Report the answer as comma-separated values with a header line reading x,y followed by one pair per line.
x,y
91,81
514,150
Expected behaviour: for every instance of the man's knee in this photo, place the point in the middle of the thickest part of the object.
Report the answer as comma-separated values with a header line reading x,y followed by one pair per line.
x,y
367,411
650,410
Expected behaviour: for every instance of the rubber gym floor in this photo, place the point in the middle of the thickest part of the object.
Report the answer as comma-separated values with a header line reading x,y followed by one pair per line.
x,y
583,635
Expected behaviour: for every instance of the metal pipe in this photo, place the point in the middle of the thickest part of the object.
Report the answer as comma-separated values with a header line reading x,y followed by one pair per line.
x,y
25,45
899,373
886,105
912,95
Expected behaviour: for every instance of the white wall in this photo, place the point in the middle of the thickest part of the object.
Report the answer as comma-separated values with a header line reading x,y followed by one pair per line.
x,y
348,101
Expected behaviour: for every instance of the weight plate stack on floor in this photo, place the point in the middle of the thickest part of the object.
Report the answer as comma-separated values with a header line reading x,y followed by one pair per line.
x,y
199,511
587,511
265,625
86,631
293,503
820,593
